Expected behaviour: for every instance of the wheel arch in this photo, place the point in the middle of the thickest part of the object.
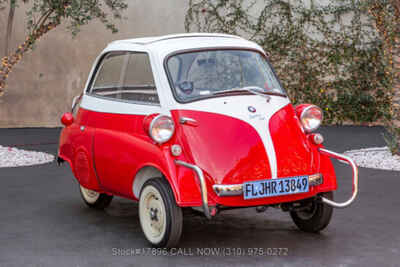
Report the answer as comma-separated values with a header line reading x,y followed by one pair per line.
x,y
146,173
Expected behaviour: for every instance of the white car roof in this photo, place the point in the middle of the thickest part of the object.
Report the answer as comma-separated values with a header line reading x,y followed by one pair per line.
x,y
154,39
167,44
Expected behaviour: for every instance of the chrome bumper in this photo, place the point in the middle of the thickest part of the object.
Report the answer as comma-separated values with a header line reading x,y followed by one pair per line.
x,y
223,190
355,179
237,189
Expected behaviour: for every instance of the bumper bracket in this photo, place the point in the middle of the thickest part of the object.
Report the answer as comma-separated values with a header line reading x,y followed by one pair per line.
x,y
355,179
203,186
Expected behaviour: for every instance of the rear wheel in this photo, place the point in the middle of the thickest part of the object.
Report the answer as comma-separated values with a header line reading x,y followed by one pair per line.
x,y
314,218
160,217
95,199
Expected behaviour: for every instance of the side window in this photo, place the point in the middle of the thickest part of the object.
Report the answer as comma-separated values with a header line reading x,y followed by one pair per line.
x,y
126,76
109,75
138,83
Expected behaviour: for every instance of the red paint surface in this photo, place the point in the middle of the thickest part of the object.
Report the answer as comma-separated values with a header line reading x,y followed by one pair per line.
x,y
118,148
228,150
292,148
76,148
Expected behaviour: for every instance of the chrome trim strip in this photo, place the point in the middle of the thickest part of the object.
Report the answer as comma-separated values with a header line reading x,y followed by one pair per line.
x,y
355,179
228,190
203,187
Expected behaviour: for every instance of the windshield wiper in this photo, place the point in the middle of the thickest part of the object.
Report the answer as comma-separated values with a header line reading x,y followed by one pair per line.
x,y
252,89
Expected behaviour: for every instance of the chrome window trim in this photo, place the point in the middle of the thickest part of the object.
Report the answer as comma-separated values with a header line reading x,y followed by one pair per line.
x,y
124,100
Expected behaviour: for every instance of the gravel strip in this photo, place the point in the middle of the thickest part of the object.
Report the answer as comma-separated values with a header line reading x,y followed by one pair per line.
x,y
13,157
375,158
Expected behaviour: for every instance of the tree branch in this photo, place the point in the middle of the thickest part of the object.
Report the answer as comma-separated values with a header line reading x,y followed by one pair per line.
x,y
9,28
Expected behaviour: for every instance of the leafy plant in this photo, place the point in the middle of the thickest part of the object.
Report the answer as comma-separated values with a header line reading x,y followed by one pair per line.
x,y
45,15
386,14
330,55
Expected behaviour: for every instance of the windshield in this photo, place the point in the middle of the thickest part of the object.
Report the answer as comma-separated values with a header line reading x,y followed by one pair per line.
x,y
211,73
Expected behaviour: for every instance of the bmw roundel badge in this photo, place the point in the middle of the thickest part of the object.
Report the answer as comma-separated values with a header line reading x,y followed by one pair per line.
x,y
251,109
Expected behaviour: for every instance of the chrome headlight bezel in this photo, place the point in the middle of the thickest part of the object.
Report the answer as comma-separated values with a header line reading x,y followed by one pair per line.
x,y
157,130
307,115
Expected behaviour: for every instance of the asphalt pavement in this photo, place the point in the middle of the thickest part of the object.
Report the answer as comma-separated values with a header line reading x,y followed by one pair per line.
x,y
44,222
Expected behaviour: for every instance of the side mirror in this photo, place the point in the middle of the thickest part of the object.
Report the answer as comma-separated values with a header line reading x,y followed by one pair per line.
x,y
67,119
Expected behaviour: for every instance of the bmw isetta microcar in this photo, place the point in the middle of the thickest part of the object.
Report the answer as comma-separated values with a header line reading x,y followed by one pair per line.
x,y
197,121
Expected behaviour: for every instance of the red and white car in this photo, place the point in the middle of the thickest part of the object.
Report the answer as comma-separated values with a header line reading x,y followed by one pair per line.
x,y
197,121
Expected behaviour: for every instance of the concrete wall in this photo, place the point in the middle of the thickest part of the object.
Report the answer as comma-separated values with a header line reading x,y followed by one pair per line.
x,y
42,85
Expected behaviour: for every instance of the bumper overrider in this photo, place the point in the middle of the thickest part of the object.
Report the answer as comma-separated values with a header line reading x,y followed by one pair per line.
x,y
237,189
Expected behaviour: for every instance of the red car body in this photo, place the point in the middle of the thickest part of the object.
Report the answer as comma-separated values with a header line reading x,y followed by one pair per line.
x,y
104,156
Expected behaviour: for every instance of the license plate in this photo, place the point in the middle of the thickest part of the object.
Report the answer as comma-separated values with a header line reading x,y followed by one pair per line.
x,y
275,187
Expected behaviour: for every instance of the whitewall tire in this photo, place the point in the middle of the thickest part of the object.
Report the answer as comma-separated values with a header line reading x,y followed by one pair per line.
x,y
160,217
95,199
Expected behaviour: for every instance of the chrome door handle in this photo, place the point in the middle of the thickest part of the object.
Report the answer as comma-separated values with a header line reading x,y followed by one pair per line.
x,y
189,121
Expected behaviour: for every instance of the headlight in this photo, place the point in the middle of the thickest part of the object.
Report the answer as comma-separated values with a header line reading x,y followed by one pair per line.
x,y
311,118
161,128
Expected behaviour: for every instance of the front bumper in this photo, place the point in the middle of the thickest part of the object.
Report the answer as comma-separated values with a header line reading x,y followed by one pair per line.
x,y
237,189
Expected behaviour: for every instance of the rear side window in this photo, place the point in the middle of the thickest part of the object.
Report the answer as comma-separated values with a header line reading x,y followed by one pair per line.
x,y
109,73
125,76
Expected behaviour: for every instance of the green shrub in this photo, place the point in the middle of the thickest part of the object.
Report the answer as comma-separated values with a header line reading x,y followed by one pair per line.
x,y
328,55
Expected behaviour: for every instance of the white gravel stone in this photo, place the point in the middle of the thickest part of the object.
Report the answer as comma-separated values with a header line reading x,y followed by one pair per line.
x,y
375,158
13,157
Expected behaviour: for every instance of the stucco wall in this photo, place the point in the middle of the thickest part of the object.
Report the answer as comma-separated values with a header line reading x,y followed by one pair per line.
x,y
42,85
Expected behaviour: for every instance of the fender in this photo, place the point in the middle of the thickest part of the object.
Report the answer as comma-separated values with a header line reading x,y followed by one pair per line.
x,y
327,169
84,170
75,147
182,181
84,173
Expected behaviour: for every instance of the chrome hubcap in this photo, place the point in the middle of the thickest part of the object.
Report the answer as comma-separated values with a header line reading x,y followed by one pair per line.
x,y
153,214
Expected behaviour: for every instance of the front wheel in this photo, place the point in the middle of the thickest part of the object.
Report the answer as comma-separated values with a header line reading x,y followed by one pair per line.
x,y
314,218
95,199
160,217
